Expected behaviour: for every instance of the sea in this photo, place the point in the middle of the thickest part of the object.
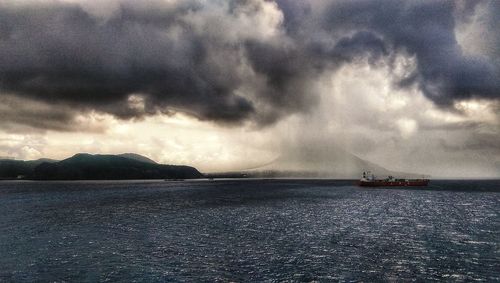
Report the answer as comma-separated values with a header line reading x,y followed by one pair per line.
x,y
253,230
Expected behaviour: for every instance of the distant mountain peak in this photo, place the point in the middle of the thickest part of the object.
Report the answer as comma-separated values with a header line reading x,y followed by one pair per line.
x,y
137,157
331,161
128,155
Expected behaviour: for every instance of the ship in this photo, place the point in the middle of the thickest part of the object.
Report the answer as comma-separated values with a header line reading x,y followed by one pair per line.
x,y
369,180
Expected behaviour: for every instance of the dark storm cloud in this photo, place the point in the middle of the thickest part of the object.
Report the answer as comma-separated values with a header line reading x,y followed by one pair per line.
x,y
425,29
173,58
59,53
362,43
17,113
493,21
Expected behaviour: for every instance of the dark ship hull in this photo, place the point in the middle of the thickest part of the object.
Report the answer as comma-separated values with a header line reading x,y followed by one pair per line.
x,y
394,183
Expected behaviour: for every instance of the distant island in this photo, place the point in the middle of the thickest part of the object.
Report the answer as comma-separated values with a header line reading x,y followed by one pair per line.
x,y
83,166
303,162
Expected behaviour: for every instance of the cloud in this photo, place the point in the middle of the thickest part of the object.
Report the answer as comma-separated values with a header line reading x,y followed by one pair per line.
x,y
59,53
22,115
426,30
230,62
399,129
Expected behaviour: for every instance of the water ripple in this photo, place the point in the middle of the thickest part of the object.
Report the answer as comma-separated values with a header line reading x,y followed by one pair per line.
x,y
288,230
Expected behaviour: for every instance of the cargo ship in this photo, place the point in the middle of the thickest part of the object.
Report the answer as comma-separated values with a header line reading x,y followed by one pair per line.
x,y
369,180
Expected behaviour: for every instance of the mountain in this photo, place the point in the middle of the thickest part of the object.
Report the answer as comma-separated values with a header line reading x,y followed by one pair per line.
x,y
321,162
84,166
137,157
12,169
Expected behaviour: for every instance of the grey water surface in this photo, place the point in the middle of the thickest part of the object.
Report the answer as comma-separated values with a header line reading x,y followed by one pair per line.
x,y
248,230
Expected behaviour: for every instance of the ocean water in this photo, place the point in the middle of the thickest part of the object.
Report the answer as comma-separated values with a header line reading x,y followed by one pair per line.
x,y
248,230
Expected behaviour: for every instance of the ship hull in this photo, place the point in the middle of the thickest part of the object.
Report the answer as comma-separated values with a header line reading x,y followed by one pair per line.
x,y
403,183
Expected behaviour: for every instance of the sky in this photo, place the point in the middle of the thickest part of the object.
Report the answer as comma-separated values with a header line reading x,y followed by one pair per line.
x,y
412,86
